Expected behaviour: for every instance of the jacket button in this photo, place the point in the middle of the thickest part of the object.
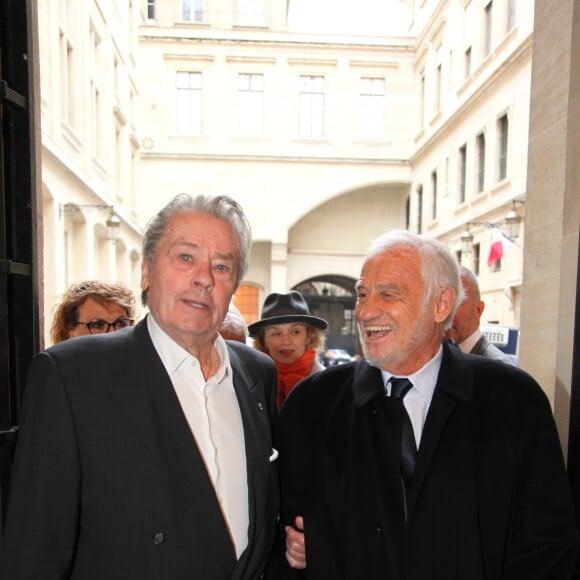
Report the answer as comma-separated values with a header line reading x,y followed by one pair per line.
x,y
380,531
158,538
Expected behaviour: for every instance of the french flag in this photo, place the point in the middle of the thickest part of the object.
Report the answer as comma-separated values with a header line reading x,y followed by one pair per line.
x,y
496,247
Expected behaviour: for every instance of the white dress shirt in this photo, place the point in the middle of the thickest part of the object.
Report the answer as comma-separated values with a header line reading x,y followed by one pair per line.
x,y
418,399
213,414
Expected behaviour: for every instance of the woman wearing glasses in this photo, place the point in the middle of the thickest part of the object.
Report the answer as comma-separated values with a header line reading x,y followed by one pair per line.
x,y
92,307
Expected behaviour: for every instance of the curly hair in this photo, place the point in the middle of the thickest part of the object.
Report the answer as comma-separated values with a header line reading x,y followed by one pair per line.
x,y
66,312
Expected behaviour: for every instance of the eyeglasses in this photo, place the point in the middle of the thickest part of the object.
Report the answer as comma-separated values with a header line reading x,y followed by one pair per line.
x,y
102,326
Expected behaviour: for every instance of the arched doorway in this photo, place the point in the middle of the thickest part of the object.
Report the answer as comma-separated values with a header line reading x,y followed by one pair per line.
x,y
333,298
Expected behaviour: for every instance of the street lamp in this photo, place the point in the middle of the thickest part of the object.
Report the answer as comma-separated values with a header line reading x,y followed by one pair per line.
x,y
466,240
113,223
511,222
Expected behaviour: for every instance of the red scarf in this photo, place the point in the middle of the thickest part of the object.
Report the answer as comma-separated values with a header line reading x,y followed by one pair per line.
x,y
290,374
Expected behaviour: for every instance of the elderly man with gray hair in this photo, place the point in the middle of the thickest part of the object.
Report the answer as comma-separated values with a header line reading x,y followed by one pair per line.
x,y
147,453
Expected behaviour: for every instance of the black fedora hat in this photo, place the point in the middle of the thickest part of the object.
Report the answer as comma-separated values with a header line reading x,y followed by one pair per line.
x,y
285,308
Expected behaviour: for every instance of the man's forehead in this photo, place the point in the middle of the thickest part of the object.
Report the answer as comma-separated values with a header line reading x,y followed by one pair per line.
x,y
395,259
198,230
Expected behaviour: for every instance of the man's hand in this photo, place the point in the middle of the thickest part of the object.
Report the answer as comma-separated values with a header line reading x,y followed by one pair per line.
x,y
295,545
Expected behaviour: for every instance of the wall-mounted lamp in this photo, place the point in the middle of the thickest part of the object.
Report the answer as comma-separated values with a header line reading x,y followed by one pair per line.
x,y
113,223
466,240
511,222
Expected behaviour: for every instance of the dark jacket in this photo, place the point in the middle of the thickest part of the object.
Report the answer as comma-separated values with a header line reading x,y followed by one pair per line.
x,y
108,481
490,498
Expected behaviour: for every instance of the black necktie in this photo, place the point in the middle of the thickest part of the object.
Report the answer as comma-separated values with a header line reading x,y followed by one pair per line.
x,y
399,388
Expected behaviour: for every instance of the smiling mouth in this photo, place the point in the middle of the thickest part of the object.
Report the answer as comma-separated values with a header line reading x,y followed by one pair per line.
x,y
377,331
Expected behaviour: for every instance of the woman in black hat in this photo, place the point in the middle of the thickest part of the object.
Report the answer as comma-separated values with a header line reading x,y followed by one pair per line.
x,y
291,336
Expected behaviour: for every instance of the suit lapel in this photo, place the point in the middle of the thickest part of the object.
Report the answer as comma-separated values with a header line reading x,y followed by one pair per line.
x,y
152,407
454,383
479,346
374,448
257,437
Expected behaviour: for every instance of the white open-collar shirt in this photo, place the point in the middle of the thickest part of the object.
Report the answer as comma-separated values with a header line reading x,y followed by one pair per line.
x,y
212,411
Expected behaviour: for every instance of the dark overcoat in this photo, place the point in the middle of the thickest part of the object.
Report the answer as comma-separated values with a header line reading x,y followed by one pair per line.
x,y
490,499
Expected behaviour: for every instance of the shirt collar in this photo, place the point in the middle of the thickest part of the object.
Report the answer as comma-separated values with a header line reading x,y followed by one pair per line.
x,y
173,355
468,344
424,380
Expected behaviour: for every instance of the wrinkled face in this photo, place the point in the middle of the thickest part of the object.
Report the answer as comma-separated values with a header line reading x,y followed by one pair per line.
x,y
92,311
191,278
286,343
466,319
400,330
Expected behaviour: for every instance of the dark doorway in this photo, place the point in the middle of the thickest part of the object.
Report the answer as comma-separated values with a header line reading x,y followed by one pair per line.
x,y
333,298
19,218
574,435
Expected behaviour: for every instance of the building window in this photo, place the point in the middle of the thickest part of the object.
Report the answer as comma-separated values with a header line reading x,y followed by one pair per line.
x,y
511,14
372,108
480,145
469,33
420,209
408,213
96,68
434,199
438,88
67,28
151,9
192,10
422,99
311,106
188,103
502,131
250,12
118,161
476,249
251,103
462,172
468,62
246,301
488,27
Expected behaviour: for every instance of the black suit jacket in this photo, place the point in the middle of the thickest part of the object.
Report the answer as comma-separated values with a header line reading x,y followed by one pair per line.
x,y
489,500
108,482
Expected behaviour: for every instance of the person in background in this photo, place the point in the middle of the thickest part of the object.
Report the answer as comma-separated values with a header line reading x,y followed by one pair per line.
x,y
291,336
234,326
148,453
464,329
92,307
420,462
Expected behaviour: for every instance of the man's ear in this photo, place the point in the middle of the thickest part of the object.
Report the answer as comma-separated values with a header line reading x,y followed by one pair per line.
x,y
144,274
444,303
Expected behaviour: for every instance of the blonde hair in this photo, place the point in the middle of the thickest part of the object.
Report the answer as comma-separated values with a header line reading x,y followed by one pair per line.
x,y
316,338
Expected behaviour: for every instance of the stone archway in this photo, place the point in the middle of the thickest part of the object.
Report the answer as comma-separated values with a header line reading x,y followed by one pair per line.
x,y
333,298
